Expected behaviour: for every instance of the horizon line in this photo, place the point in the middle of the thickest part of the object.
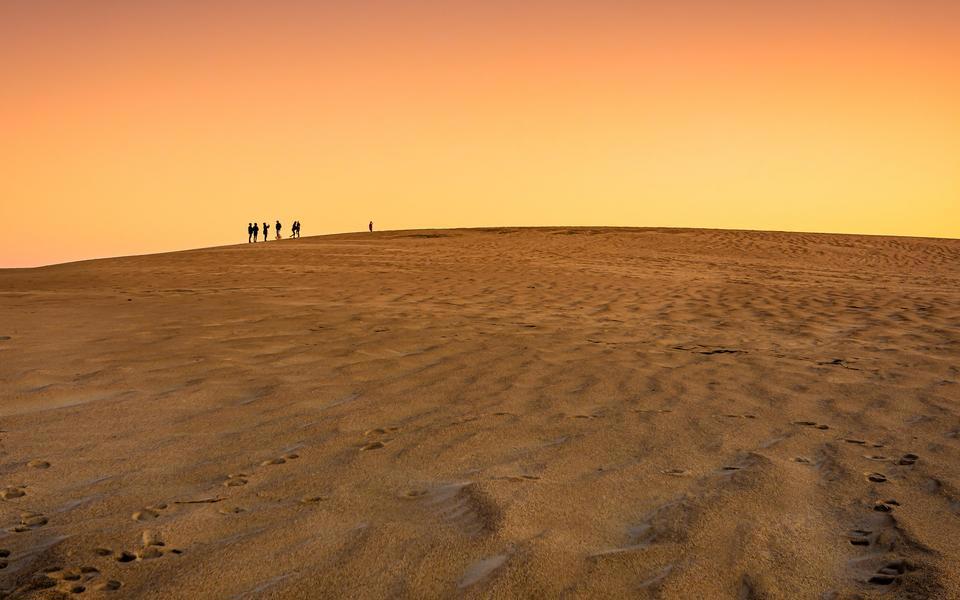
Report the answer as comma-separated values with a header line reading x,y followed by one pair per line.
x,y
481,228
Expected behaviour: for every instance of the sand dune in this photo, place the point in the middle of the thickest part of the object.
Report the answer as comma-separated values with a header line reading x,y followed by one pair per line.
x,y
647,413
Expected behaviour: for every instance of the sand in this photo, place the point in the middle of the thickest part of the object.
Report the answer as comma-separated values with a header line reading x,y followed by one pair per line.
x,y
487,413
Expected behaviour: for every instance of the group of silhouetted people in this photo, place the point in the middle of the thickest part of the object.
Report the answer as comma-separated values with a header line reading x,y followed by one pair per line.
x,y
253,230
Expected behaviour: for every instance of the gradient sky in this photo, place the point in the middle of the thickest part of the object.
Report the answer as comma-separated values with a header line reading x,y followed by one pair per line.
x,y
132,126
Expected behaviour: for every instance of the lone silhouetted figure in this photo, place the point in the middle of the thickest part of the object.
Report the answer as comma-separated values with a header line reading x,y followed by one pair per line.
x,y
249,232
296,229
371,226
277,227
266,231
256,230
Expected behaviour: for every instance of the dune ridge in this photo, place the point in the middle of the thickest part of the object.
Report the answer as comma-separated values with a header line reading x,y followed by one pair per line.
x,y
511,412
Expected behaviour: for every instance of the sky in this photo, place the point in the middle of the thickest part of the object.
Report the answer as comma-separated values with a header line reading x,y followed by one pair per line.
x,y
131,126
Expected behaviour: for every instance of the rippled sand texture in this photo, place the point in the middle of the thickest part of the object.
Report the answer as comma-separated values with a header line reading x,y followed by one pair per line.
x,y
487,413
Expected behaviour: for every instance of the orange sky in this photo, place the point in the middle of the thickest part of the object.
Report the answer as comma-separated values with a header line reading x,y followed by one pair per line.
x,y
131,126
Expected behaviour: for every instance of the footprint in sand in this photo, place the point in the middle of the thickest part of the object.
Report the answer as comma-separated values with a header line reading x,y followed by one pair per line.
x,y
855,441
802,460
891,572
12,491
4,555
908,459
380,431
236,479
884,536
813,424
38,464
149,537
110,585
372,446
860,537
146,514
876,477
74,581
149,513
149,552
675,472
151,547
885,505
280,460
231,510
30,520
876,457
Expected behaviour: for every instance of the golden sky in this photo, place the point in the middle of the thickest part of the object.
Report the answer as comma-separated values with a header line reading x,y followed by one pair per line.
x,y
132,126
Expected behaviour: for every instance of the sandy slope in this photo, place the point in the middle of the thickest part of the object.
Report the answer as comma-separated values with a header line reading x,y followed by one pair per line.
x,y
487,413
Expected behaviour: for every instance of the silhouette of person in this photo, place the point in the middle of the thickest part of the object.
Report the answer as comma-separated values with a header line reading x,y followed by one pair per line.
x,y
256,230
249,232
296,228
266,231
277,227
371,226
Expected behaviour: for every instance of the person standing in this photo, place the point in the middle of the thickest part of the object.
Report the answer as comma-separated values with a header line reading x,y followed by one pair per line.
x,y
371,226
296,227
266,231
256,230
277,226
249,232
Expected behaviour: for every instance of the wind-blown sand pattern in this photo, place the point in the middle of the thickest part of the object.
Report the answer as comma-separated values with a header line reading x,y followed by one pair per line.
x,y
487,413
